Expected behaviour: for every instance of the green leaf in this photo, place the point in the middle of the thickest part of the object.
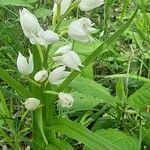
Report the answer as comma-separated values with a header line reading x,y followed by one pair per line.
x,y
141,98
42,12
81,134
61,145
15,3
119,139
51,147
3,106
91,88
105,45
21,90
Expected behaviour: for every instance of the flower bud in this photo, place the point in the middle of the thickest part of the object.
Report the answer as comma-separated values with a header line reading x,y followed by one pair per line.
x,y
65,100
41,76
29,23
25,66
31,103
58,75
86,5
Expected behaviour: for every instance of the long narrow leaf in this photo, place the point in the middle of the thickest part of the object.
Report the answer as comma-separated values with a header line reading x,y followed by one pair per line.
x,y
79,133
21,90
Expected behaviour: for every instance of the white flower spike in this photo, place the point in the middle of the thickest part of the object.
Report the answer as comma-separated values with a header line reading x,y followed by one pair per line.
x,y
25,66
65,4
41,75
65,100
31,103
68,58
81,30
86,5
58,75
34,32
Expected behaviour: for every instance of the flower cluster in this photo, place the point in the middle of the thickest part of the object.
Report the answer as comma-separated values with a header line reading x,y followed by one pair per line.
x,y
65,56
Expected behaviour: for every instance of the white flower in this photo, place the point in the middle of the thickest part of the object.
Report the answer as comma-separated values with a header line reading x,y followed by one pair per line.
x,y
65,100
29,23
41,76
81,29
65,4
58,75
45,38
31,103
34,32
86,5
68,58
25,66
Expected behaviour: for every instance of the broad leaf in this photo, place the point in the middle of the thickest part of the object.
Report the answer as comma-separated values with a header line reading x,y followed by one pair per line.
x,y
81,134
15,3
91,88
141,98
119,139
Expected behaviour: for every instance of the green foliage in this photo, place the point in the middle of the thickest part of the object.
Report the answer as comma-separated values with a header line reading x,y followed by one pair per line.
x,y
140,99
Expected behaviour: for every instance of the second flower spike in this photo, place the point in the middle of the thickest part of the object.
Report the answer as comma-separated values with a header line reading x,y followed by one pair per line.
x,y
24,65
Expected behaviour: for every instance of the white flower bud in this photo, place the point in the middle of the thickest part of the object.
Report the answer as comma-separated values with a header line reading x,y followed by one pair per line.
x,y
31,103
25,66
86,5
41,76
68,58
58,75
65,4
65,100
81,29
29,23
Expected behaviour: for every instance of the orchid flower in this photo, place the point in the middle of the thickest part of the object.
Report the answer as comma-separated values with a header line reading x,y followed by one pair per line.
x,y
33,30
81,30
24,65
67,57
58,75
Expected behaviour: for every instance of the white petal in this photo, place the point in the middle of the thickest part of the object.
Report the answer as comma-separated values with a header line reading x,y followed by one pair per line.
x,y
71,60
65,5
23,65
49,37
29,23
56,74
41,76
86,5
31,64
64,49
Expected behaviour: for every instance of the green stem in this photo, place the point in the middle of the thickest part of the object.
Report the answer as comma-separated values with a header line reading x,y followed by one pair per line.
x,y
32,82
50,92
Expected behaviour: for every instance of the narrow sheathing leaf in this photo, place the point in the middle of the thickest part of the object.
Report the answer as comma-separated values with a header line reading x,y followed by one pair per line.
x,y
99,50
21,90
79,133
